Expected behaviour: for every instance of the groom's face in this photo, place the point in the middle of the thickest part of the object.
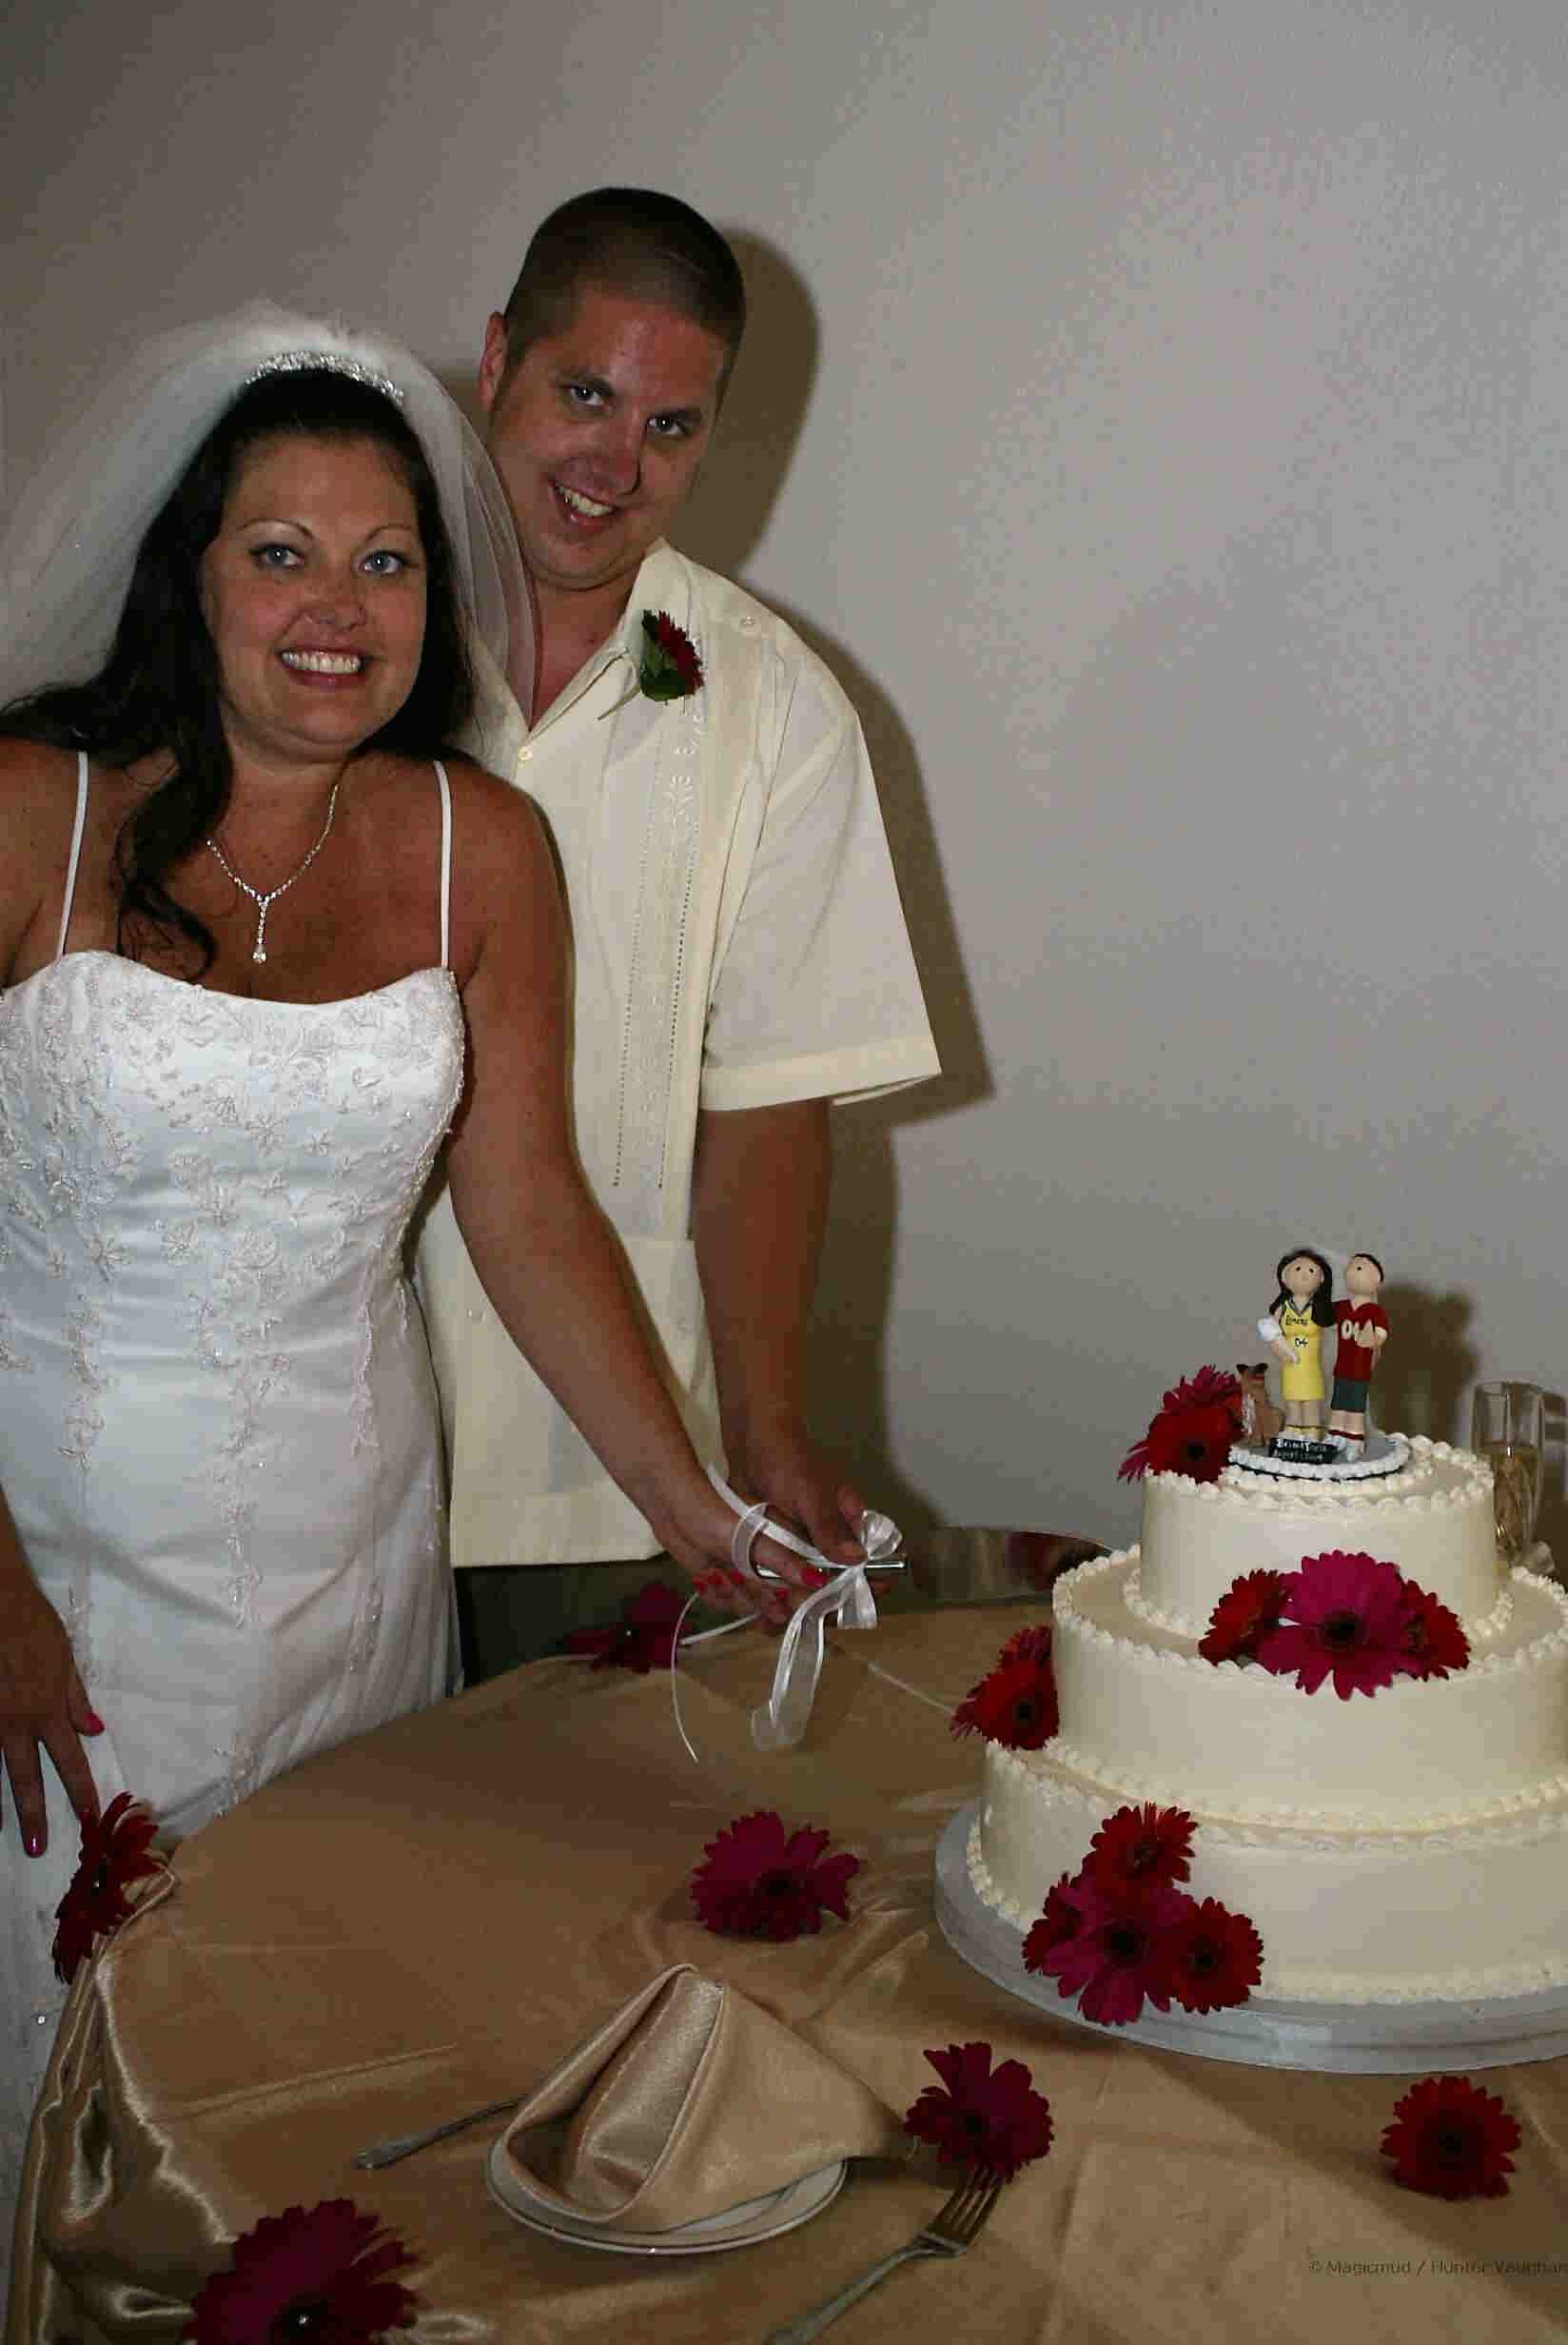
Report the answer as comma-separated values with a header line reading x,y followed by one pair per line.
x,y
597,433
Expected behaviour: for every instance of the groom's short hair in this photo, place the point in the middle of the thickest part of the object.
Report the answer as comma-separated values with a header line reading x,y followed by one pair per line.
x,y
631,241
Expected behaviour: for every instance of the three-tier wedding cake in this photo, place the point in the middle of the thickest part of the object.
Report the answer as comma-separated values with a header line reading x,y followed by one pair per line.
x,y
1396,1834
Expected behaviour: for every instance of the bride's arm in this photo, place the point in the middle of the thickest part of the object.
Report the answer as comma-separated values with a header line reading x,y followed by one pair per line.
x,y
43,1705
543,1252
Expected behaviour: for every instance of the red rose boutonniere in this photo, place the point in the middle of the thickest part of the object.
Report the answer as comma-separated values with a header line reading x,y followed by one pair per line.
x,y
990,2118
759,1880
116,1853
1450,2138
671,669
671,666
317,2272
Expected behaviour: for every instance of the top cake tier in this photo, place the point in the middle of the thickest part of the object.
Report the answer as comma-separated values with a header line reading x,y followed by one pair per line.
x,y
1434,1520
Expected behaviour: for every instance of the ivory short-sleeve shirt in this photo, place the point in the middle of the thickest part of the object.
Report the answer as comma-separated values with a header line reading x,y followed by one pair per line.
x,y
738,941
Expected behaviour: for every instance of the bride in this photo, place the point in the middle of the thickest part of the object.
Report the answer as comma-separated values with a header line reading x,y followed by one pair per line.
x,y
266,946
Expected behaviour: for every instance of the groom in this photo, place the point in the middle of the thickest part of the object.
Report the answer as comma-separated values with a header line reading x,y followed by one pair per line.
x,y
741,956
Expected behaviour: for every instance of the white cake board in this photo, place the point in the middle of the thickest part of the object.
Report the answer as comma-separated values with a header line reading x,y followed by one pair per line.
x,y
1393,2039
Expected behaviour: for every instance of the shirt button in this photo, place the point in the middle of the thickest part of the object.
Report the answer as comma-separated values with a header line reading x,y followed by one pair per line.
x,y
523,756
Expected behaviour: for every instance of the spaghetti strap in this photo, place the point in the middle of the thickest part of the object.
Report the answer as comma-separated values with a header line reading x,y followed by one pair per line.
x,y
75,848
446,863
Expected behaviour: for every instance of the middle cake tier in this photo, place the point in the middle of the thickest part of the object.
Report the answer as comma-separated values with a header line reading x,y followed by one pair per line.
x,y
1140,1710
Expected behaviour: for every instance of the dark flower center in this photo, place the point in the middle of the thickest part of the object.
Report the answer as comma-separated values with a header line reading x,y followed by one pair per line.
x,y
1197,1450
302,2316
100,1880
1203,1957
778,1883
1026,1710
1124,1942
1143,1854
972,2122
1342,1630
1452,2144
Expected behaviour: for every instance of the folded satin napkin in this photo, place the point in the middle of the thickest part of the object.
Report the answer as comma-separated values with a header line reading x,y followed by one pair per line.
x,y
689,2100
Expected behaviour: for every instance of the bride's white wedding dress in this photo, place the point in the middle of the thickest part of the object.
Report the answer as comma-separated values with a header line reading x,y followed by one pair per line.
x,y
218,1423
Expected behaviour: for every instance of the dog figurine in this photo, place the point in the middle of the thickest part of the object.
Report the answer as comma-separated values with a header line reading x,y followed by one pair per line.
x,y
1260,1420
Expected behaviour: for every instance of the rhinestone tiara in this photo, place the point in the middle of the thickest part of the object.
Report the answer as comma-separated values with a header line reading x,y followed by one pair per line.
x,y
316,362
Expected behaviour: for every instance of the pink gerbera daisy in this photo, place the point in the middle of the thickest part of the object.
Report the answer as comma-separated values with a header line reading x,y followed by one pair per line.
x,y
1344,1616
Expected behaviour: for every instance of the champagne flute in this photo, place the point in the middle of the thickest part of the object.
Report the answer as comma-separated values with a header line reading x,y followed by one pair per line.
x,y
1505,1428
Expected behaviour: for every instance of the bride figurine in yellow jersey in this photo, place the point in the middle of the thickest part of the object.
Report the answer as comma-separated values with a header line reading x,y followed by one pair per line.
x,y
1299,1313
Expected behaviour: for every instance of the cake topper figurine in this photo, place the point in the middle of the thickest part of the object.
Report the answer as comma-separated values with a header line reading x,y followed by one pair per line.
x,y
1364,1330
1293,1331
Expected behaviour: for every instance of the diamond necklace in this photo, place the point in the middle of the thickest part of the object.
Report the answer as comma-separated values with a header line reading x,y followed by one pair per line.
x,y
265,903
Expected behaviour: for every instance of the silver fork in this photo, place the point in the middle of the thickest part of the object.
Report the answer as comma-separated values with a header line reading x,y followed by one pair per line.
x,y
403,2145
948,2232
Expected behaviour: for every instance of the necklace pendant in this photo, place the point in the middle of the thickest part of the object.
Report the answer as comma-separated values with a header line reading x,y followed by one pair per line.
x,y
260,954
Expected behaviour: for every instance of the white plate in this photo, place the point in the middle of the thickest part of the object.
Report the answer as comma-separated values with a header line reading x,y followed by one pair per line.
x,y
741,2226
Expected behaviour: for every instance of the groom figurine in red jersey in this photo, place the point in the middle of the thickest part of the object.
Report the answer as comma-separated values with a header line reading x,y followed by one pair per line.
x,y
1364,1330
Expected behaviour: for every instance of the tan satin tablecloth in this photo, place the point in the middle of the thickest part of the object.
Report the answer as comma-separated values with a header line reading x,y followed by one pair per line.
x,y
427,1919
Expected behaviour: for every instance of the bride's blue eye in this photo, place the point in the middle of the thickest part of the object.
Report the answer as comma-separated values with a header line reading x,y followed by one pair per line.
x,y
395,563
274,557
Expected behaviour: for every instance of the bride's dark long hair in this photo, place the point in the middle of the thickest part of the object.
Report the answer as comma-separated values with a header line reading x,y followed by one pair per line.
x,y
158,690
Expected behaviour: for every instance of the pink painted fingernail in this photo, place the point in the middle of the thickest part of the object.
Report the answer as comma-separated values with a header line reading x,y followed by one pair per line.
x,y
95,1724
817,1577
33,1843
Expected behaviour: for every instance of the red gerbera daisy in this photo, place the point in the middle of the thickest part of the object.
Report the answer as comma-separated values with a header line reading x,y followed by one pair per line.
x,y
671,669
642,1639
1140,1848
309,2272
1345,1615
756,1880
1014,1704
1031,1644
1247,1612
117,1851
1118,1956
1210,1387
1198,1421
1059,1921
1433,1637
1450,2137
1216,1958
992,2119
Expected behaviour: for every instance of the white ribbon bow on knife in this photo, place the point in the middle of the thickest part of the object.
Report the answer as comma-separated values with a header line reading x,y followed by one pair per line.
x,y
845,1596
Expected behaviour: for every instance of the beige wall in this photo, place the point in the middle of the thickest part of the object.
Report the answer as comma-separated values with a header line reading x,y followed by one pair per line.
x,y
1156,414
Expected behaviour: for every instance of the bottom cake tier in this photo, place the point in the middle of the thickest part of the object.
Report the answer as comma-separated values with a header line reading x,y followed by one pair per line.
x,y
1406,2038
1345,1917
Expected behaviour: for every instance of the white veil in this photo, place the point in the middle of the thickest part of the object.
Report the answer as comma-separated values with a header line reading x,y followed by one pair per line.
x,y
68,549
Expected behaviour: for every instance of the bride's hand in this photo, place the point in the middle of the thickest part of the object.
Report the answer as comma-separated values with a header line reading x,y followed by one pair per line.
x,y
43,1707
700,1533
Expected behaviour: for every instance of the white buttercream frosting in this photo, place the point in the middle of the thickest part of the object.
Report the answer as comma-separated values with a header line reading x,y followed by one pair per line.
x,y
1434,1520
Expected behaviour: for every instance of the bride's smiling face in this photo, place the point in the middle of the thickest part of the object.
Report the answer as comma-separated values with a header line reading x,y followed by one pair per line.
x,y
314,594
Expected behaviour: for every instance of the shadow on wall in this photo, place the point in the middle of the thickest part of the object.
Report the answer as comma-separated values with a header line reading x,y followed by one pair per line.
x,y
722,525
1427,1365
